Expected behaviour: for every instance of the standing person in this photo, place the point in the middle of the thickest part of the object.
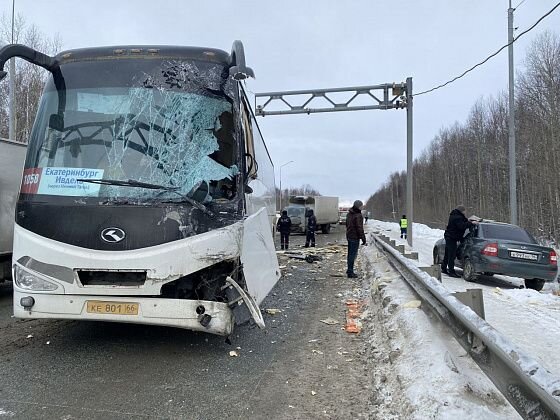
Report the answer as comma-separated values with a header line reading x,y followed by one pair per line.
x,y
354,232
366,216
283,226
454,233
404,226
311,227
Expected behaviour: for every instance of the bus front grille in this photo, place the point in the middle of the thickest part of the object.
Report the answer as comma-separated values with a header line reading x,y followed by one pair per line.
x,y
111,278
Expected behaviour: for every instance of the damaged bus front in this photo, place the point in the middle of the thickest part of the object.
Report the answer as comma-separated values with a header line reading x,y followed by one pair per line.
x,y
148,192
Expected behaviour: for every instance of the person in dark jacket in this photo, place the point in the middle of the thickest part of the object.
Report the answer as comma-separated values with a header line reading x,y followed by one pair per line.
x,y
311,227
454,232
283,226
354,232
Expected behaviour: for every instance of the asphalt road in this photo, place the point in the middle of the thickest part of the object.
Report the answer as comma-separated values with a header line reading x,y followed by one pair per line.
x,y
297,367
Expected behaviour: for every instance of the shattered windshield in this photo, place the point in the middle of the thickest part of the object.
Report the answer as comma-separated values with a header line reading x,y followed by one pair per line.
x,y
295,211
163,135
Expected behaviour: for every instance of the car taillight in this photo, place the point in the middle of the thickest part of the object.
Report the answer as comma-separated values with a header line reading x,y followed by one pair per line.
x,y
553,258
491,250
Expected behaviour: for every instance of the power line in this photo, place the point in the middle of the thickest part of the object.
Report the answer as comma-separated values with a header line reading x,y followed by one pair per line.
x,y
490,56
517,7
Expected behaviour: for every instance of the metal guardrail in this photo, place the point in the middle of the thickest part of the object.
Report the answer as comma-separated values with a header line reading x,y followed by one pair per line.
x,y
532,390
18,143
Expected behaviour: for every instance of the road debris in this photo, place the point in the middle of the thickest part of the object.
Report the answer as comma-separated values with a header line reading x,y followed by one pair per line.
x,y
329,321
413,304
354,309
313,393
233,353
29,336
272,311
313,258
314,351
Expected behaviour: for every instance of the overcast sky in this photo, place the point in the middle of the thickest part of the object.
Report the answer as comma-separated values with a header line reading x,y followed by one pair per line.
x,y
322,44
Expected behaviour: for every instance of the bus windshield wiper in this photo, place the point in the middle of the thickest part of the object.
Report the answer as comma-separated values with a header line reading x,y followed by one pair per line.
x,y
134,183
128,183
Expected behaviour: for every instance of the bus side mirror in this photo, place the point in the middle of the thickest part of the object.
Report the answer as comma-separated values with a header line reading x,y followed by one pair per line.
x,y
56,122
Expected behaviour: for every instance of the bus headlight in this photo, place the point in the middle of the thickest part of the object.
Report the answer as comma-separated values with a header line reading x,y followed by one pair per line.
x,y
28,281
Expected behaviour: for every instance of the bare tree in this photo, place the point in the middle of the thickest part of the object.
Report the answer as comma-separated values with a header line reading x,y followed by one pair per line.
x,y
30,79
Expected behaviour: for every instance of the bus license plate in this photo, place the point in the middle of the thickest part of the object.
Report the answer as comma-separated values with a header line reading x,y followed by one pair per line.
x,y
112,308
524,256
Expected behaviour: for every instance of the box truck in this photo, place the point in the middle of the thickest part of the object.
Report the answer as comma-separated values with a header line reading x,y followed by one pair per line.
x,y
324,208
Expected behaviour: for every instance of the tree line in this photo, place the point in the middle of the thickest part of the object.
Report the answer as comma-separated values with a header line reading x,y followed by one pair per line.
x,y
467,163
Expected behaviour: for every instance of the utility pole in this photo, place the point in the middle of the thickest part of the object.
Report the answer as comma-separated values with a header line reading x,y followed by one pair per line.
x,y
511,125
287,163
13,121
409,161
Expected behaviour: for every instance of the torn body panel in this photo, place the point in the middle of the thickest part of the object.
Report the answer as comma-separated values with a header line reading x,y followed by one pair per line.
x,y
260,264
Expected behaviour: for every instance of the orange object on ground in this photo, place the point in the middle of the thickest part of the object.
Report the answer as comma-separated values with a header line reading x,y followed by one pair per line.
x,y
353,314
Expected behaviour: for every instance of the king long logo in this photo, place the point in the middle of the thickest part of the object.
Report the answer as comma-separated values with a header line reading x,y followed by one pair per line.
x,y
112,235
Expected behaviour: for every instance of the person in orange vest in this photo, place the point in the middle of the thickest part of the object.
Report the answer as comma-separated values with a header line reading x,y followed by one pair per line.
x,y
404,226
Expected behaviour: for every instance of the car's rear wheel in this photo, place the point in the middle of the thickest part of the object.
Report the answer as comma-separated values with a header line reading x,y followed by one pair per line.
x,y
535,284
468,270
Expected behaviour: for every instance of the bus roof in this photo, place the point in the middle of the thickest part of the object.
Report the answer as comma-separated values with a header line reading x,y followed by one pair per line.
x,y
145,52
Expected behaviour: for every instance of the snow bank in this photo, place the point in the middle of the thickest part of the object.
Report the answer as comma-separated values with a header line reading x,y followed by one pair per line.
x,y
532,297
437,377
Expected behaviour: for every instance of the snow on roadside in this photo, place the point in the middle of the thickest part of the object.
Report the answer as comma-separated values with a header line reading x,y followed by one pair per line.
x,y
530,319
416,357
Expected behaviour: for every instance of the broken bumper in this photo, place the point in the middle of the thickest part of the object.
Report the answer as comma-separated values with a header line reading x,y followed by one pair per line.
x,y
178,313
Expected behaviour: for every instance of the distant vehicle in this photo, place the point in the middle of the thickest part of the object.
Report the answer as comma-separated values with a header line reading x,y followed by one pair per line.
x,y
12,157
501,248
342,213
324,208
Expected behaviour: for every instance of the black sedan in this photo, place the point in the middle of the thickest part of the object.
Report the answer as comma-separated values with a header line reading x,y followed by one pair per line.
x,y
500,248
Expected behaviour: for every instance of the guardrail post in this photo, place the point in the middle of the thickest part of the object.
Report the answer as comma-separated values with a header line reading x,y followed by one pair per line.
x,y
400,248
474,299
412,256
434,271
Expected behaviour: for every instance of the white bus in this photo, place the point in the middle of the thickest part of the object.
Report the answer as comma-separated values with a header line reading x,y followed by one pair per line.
x,y
148,191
